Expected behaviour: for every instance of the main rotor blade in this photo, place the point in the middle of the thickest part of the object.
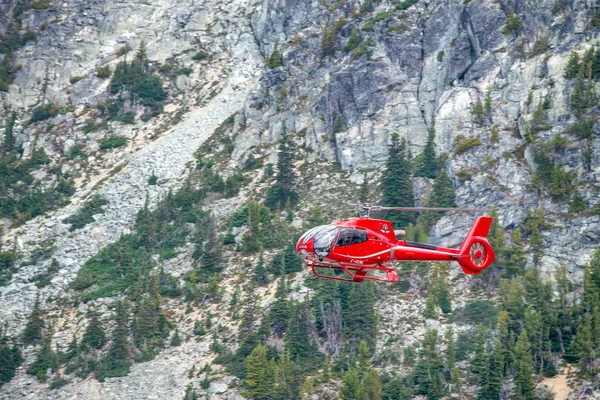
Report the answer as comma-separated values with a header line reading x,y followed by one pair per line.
x,y
433,209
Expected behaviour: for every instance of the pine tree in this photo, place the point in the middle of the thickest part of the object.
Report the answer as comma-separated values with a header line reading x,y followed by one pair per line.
x,y
117,360
176,339
479,357
260,271
359,318
10,359
9,137
428,373
450,352
584,346
256,364
525,386
505,354
46,359
430,306
94,336
572,67
515,261
247,334
353,41
35,324
296,338
280,309
328,45
283,188
583,95
429,165
351,386
397,183
72,349
371,388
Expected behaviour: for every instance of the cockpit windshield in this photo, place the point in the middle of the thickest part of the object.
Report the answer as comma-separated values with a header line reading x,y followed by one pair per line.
x,y
324,240
309,234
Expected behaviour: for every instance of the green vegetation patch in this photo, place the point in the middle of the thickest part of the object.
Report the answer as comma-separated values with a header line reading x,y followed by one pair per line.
x,y
464,144
84,215
476,312
378,17
117,267
112,142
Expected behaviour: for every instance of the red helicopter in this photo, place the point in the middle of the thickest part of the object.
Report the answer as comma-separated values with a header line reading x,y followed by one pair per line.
x,y
361,245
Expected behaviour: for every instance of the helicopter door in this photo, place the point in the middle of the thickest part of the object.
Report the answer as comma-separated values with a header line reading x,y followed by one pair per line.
x,y
348,240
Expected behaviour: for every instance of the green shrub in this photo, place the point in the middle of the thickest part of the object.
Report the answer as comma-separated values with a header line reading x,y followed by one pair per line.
x,y
58,382
353,41
401,28
200,55
41,4
112,142
274,60
184,71
378,17
43,113
104,72
403,5
74,79
124,50
85,215
465,144
513,25
476,312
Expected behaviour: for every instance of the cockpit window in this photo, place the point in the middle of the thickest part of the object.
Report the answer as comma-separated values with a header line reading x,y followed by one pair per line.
x,y
308,235
359,236
345,237
324,240
349,236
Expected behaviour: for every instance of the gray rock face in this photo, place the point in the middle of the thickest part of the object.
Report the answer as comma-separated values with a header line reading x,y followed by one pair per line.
x,y
425,68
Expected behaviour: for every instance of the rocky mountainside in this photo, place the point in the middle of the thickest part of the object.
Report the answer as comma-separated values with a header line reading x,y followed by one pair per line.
x,y
125,103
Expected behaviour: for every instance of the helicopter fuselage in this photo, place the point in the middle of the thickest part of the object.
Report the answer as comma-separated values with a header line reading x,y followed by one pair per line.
x,y
359,245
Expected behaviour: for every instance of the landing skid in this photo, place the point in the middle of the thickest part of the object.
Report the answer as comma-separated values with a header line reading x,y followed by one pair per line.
x,y
356,274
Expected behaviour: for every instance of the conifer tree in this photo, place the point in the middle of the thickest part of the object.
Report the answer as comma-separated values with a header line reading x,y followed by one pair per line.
x,y
359,318
117,360
328,45
515,260
94,336
9,137
372,388
397,183
450,352
297,341
72,349
10,359
351,386
256,364
525,386
511,299
572,67
260,271
584,346
247,334
504,344
428,373
33,329
46,359
430,306
280,309
283,188
429,165
479,357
